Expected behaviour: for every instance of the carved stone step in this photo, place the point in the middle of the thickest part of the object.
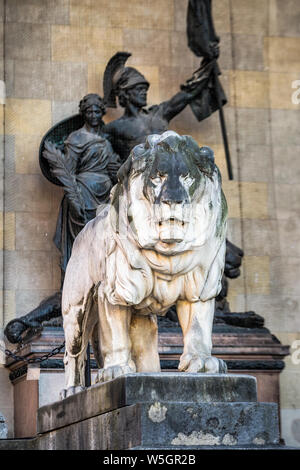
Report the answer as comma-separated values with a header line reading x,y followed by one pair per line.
x,y
164,409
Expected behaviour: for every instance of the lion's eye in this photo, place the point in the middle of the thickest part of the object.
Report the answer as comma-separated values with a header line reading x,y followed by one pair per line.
x,y
157,179
187,180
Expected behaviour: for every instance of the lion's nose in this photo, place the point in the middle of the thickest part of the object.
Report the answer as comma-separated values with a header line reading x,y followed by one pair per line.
x,y
170,201
173,195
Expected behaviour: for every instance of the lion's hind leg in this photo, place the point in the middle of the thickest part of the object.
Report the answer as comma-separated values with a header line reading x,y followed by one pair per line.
x,y
79,322
114,338
144,340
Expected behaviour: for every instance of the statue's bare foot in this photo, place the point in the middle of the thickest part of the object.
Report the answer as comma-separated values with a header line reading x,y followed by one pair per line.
x,y
194,364
70,391
112,372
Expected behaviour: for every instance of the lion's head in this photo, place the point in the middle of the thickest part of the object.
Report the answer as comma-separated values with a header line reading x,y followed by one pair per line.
x,y
168,216
174,200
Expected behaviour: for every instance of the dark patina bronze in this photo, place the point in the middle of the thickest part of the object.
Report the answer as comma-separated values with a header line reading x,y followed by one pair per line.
x,y
76,155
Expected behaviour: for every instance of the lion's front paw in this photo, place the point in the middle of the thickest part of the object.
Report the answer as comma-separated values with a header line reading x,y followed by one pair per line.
x,y
112,372
70,391
194,364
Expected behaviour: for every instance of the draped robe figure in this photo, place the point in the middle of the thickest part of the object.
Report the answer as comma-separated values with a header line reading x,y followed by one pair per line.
x,y
90,156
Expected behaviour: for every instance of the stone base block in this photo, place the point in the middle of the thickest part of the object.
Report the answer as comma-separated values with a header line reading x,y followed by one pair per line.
x,y
173,410
178,425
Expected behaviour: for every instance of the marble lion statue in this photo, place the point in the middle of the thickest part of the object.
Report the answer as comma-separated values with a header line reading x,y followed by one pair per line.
x,y
160,242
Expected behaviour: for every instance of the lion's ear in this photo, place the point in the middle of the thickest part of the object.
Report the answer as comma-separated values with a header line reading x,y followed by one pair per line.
x,y
205,160
207,152
139,157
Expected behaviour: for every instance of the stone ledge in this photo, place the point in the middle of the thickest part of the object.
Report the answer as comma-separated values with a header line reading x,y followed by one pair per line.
x,y
146,387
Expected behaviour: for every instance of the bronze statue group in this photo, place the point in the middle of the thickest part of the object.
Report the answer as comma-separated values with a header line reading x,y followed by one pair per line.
x,y
83,155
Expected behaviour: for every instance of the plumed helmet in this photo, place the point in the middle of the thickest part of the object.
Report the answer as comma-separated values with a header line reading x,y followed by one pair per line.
x,y
117,77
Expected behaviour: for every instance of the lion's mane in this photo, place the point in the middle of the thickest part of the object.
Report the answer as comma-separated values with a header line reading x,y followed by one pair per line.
x,y
127,274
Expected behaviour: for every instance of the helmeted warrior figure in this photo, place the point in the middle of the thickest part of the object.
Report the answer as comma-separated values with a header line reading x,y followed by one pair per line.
x,y
130,87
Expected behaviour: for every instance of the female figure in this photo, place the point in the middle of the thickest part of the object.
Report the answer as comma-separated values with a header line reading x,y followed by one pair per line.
x,y
87,170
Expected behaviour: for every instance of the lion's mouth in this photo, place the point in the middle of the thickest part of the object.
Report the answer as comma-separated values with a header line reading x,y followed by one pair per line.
x,y
172,230
171,221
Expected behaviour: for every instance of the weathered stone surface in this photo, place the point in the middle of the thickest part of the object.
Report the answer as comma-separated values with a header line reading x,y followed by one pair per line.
x,y
9,231
289,236
63,109
285,23
249,17
285,169
38,79
119,14
285,127
32,79
34,231
281,54
261,237
290,419
208,131
170,424
3,427
34,11
257,269
221,15
256,162
9,300
248,52
27,269
145,387
232,193
18,444
28,299
287,198
289,388
249,89
225,59
281,91
180,9
254,196
70,81
281,311
73,43
21,191
27,41
180,53
148,46
6,399
281,268
252,126
210,424
165,409
119,429
26,151
21,119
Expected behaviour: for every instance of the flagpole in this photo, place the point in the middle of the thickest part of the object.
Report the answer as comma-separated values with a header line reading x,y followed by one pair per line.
x,y
223,125
204,42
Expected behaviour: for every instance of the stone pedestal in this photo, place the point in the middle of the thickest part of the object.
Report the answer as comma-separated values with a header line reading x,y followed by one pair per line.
x,y
163,410
246,351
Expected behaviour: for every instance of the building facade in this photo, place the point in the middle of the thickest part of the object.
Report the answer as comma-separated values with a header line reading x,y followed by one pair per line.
x,y
54,52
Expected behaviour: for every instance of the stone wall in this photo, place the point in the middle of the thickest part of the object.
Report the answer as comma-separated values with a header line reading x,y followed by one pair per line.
x,y
6,391
56,51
